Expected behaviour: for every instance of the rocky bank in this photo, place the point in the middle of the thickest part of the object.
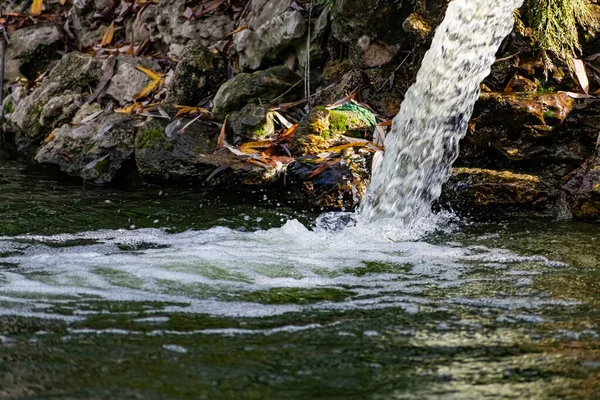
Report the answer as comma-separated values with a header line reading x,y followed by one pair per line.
x,y
287,96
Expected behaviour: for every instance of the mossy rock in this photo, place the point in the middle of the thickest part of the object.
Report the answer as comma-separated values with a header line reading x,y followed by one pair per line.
x,y
274,85
495,193
322,128
198,74
250,123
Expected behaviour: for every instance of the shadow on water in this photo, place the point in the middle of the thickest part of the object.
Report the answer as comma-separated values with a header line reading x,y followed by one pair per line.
x,y
220,306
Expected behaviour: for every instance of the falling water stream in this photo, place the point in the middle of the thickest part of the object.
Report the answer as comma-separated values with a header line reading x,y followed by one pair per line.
x,y
176,293
436,110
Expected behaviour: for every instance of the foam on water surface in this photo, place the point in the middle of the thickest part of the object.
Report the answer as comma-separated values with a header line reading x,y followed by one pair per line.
x,y
230,273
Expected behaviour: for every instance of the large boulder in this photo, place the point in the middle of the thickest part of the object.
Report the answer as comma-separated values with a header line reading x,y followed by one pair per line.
x,y
548,134
165,26
371,28
493,193
164,155
274,29
94,151
75,73
276,84
198,74
32,50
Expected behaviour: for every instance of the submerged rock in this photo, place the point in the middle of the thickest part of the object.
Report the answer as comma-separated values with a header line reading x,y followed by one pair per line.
x,y
322,128
95,151
487,192
198,74
263,87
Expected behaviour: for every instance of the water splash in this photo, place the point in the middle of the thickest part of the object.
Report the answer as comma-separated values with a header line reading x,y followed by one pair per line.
x,y
434,116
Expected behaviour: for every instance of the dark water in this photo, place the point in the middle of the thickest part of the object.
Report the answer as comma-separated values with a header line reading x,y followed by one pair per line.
x,y
178,293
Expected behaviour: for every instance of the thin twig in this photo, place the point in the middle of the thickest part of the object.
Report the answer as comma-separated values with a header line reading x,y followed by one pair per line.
x,y
287,91
393,73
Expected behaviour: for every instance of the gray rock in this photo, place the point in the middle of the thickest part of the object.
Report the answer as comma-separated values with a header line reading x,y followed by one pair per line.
x,y
59,110
32,50
263,87
85,111
128,80
270,39
95,152
164,23
198,74
75,72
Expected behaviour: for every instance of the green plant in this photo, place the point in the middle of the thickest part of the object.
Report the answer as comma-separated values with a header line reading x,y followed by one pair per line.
x,y
555,24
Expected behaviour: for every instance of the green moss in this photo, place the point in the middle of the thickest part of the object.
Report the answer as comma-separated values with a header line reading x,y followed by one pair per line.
x,y
555,24
151,137
102,167
9,108
338,121
88,147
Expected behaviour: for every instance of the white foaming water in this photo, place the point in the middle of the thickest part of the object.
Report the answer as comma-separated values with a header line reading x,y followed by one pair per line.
x,y
435,113
228,273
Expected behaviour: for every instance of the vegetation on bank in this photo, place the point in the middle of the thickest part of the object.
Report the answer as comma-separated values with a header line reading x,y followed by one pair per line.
x,y
555,25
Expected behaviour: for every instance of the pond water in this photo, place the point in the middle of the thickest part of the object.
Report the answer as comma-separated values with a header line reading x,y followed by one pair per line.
x,y
179,293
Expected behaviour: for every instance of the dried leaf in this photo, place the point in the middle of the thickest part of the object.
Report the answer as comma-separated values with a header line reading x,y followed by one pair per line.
x,y
36,7
91,117
188,13
574,95
95,162
256,145
287,124
153,75
63,2
321,168
289,133
108,35
221,141
50,137
216,172
377,160
149,89
370,145
238,30
581,74
170,129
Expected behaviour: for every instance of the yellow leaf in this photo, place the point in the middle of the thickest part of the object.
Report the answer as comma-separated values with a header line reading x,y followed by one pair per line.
x,y
221,141
184,110
50,137
149,89
153,75
256,145
339,149
36,7
127,110
238,30
108,35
